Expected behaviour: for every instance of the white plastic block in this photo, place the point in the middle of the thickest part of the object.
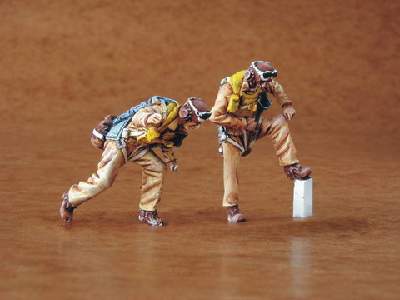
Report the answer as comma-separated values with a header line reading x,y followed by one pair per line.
x,y
302,198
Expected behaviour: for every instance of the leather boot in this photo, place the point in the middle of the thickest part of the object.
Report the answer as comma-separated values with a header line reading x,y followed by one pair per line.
x,y
297,171
150,218
66,209
234,215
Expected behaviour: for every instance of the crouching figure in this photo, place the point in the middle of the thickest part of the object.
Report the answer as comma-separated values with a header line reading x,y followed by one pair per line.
x,y
147,135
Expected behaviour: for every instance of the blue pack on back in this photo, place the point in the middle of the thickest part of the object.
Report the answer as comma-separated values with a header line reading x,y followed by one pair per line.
x,y
121,121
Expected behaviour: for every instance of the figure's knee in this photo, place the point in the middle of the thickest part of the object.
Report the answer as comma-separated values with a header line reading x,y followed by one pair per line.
x,y
274,126
105,182
278,127
106,176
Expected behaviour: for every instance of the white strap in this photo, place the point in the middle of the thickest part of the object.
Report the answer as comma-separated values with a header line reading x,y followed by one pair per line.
x,y
195,111
97,134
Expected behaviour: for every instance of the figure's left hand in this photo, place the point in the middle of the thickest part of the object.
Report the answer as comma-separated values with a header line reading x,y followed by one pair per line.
x,y
288,112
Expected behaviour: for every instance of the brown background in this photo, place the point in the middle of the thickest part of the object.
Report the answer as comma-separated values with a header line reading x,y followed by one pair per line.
x,y
65,64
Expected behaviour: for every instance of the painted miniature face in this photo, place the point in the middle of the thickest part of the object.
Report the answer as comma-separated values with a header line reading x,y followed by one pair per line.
x,y
189,119
191,115
264,73
192,121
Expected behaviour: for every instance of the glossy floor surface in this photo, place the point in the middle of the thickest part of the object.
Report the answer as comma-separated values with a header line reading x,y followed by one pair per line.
x,y
66,64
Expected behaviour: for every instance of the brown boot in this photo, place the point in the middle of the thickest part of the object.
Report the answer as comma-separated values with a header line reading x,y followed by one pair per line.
x,y
150,218
297,171
234,215
66,209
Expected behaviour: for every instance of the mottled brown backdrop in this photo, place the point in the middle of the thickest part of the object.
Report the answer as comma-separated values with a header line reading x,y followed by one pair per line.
x,y
66,64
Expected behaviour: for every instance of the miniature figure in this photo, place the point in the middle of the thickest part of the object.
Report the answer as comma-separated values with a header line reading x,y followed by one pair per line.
x,y
145,134
241,100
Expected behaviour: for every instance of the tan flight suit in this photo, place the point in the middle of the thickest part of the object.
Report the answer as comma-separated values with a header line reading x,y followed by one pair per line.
x,y
236,141
148,142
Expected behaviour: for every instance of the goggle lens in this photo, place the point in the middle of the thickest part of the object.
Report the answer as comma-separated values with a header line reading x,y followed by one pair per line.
x,y
269,74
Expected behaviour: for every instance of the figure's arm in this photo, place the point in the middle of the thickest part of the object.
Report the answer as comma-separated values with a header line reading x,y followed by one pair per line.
x,y
146,117
167,149
168,157
219,114
277,91
148,120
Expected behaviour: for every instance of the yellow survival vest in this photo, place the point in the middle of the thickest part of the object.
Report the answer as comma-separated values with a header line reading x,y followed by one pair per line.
x,y
239,99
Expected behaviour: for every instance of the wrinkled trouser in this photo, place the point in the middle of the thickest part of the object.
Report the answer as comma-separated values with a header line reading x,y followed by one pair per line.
x,y
107,170
278,130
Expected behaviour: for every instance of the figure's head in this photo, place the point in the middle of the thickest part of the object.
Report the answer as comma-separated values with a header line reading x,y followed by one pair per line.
x,y
193,112
262,72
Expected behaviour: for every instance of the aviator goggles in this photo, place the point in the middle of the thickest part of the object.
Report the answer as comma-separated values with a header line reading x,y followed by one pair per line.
x,y
264,75
201,115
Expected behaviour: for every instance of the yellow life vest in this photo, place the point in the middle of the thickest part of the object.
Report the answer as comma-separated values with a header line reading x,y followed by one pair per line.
x,y
240,99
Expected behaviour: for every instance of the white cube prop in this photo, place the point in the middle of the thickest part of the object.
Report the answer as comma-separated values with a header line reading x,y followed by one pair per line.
x,y
302,198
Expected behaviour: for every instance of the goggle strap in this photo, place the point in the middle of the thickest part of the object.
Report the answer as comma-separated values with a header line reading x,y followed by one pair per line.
x,y
201,116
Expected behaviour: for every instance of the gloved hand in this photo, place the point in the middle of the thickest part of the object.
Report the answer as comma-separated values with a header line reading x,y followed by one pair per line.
x,y
288,111
172,166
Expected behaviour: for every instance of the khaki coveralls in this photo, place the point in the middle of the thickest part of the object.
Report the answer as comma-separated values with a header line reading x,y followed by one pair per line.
x,y
151,156
238,140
